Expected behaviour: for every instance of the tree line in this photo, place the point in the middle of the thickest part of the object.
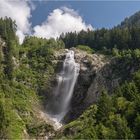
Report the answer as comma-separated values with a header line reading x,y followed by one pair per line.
x,y
120,38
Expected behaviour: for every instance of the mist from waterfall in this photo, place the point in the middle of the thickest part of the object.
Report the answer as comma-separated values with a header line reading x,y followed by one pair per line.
x,y
60,103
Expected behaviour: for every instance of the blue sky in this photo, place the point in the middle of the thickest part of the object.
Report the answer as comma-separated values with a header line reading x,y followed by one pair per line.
x,y
97,13
49,19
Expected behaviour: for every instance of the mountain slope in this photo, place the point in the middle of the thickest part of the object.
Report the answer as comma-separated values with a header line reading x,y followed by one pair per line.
x,y
132,21
106,99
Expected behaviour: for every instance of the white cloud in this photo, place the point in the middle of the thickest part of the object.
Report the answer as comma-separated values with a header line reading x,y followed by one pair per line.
x,y
61,20
20,11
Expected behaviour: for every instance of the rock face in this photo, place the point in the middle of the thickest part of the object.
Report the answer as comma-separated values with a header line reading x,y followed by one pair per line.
x,y
97,73
88,85
90,82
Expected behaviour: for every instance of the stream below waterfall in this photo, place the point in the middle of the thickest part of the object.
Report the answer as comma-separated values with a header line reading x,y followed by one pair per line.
x,y
59,104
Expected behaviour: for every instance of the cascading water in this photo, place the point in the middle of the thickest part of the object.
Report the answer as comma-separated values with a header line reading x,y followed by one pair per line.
x,y
59,104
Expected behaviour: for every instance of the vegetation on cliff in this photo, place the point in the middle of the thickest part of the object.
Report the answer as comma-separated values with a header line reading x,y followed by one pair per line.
x,y
26,72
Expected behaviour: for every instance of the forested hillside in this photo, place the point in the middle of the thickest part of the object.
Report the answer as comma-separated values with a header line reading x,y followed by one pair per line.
x,y
24,74
124,36
27,75
132,21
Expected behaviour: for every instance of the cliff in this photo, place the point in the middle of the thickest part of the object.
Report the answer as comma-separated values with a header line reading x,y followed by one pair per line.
x,y
98,73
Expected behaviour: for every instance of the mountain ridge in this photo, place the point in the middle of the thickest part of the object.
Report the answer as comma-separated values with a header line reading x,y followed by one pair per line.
x,y
131,21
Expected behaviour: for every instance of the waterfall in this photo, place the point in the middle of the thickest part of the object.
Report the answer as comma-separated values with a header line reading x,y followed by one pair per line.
x,y
60,103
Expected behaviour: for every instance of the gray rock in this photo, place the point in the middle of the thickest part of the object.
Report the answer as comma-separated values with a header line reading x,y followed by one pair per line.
x,y
97,73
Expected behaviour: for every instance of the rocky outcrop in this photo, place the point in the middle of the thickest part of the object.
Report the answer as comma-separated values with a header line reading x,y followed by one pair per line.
x,y
97,73
87,85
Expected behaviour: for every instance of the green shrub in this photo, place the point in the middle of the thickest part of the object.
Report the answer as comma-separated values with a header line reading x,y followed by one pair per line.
x,y
85,48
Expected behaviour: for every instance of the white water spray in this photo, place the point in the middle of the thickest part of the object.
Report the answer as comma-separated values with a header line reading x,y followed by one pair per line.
x,y
60,103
